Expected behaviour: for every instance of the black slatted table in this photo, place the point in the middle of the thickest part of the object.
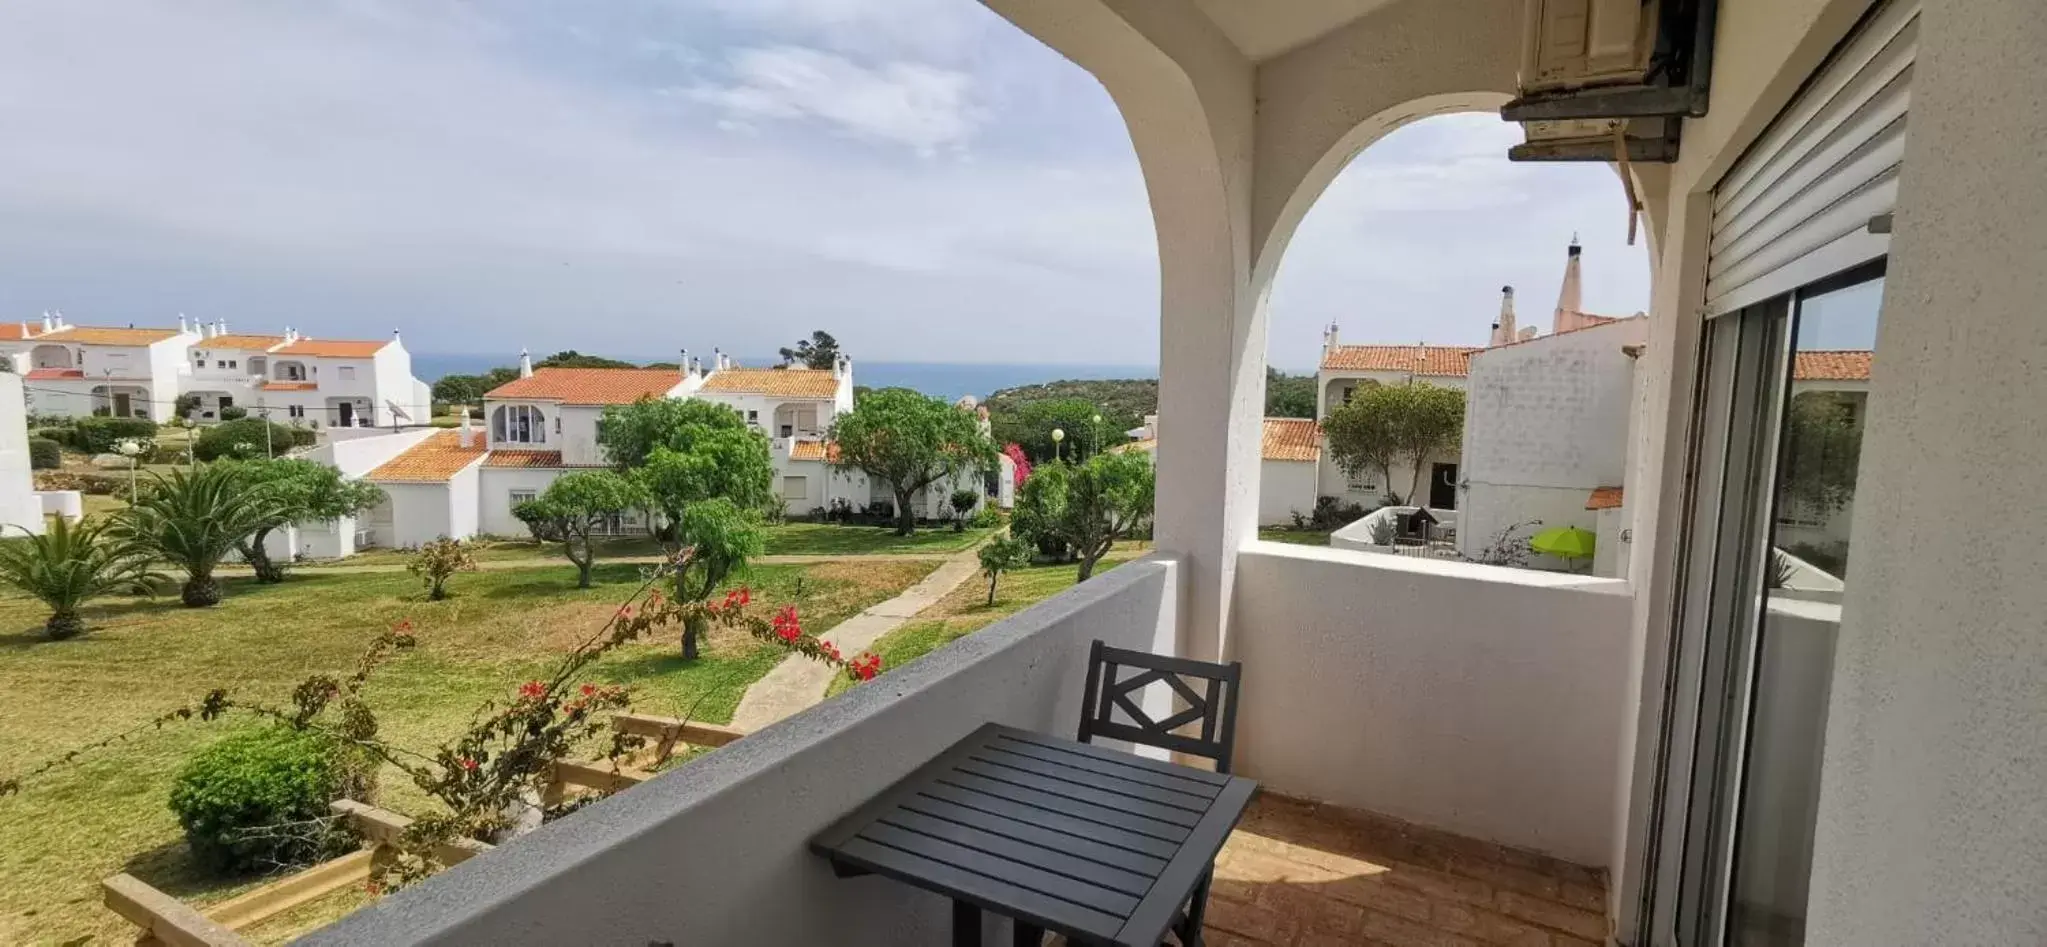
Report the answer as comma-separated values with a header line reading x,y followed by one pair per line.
x,y
1099,845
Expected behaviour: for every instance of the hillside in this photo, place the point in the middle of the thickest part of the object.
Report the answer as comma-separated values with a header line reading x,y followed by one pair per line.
x,y
1125,397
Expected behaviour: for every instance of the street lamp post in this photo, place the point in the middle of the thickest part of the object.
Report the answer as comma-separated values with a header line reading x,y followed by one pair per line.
x,y
1058,443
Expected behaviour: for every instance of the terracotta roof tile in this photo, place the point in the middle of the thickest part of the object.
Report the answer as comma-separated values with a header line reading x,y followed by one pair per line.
x,y
16,331
291,386
785,382
590,385
334,348
814,450
1443,361
523,458
1604,498
45,374
434,460
1832,365
93,335
241,343
1291,439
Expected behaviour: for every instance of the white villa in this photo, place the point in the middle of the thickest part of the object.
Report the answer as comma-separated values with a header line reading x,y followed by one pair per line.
x,y
543,424
140,372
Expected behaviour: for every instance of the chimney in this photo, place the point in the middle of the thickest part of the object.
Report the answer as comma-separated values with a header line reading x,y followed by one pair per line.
x,y
394,336
60,319
685,364
1328,338
25,333
1570,298
48,326
839,367
467,437
183,326
223,327
717,358
1504,330
525,364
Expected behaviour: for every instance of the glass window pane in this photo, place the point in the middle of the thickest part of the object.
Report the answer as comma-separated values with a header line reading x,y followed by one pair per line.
x,y
1813,493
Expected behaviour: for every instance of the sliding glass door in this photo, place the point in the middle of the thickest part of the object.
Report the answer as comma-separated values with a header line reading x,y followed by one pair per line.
x,y
1775,443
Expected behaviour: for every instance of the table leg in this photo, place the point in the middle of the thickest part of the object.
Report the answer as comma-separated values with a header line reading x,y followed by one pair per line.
x,y
966,924
1028,935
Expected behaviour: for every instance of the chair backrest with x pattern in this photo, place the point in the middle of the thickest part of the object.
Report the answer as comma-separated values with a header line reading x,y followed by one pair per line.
x,y
1208,690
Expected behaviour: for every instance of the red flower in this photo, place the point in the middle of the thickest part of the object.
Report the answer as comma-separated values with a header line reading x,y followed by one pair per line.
x,y
588,689
532,690
786,626
831,649
403,627
745,595
372,888
625,613
469,764
864,666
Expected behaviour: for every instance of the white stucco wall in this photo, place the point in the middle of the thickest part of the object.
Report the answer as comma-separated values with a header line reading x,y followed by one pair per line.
x,y
1482,700
1285,487
493,497
716,852
422,512
20,508
572,429
1932,818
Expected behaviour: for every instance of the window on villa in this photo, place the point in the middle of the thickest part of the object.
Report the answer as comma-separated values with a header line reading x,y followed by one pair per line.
x,y
347,373
788,430
234,363
517,497
518,424
557,424
795,488
220,363
296,411
227,401
1363,483
753,417
1346,394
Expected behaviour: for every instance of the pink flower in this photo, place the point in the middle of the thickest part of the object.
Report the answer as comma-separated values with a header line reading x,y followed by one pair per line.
x,y
625,613
469,764
532,690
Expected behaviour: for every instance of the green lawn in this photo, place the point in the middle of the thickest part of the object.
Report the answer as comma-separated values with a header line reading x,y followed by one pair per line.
x,y
69,829
966,610
1299,537
786,539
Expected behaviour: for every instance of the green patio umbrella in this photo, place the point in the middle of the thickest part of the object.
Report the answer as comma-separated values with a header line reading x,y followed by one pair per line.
x,y
1564,542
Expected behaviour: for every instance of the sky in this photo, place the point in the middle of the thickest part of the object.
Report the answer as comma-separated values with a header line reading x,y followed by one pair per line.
x,y
639,176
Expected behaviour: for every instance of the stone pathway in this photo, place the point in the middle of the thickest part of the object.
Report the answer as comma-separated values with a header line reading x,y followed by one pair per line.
x,y
799,682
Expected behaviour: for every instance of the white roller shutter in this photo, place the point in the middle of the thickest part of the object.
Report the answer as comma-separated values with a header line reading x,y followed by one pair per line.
x,y
1798,205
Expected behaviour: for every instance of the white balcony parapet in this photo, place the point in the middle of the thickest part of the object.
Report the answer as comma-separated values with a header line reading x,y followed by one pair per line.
x,y
717,852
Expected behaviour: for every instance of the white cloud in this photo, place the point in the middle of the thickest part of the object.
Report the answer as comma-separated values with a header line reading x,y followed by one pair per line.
x,y
905,103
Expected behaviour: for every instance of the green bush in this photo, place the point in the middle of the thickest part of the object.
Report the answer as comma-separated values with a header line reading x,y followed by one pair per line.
x,y
221,439
233,412
98,435
258,800
304,437
988,518
62,435
44,454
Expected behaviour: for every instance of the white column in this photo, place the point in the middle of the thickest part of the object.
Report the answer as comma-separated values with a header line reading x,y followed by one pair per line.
x,y
1933,810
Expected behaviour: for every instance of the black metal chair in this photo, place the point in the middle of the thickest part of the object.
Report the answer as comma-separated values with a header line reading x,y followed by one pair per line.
x,y
1213,703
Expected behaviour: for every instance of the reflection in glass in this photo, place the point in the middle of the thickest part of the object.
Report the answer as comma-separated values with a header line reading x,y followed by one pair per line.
x,y
1818,452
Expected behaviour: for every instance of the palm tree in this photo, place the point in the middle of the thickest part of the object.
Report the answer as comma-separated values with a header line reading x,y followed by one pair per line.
x,y
70,565
194,519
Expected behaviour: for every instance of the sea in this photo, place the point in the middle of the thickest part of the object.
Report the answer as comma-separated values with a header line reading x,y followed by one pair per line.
x,y
948,380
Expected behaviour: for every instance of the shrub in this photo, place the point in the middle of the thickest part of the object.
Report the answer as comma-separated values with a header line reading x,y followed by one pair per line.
x,y
437,561
89,484
62,435
988,518
98,435
233,412
224,439
304,437
258,800
44,454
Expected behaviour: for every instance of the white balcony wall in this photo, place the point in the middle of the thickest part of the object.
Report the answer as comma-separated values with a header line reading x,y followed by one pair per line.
x,y
717,852
495,486
1485,701
573,431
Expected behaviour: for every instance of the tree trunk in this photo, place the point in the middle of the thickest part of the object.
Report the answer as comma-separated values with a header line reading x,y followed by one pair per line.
x,y
906,518
583,571
268,570
992,576
200,591
1414,485
64,623
437,588
1087,564
692,630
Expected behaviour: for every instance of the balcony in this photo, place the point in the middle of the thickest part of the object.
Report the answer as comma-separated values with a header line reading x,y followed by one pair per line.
x,y
1457,727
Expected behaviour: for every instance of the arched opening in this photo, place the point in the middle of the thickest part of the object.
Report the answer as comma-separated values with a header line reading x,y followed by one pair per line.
x,y
518,424
1416,275
52,356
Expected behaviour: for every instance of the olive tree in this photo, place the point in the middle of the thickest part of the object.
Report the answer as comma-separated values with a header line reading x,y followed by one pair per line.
x,y
720,536
1385,424
300,491
575,508
910,442
1106,498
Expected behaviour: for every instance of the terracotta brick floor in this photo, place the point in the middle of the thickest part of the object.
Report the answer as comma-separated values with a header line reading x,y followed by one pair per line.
x,y
1296,873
